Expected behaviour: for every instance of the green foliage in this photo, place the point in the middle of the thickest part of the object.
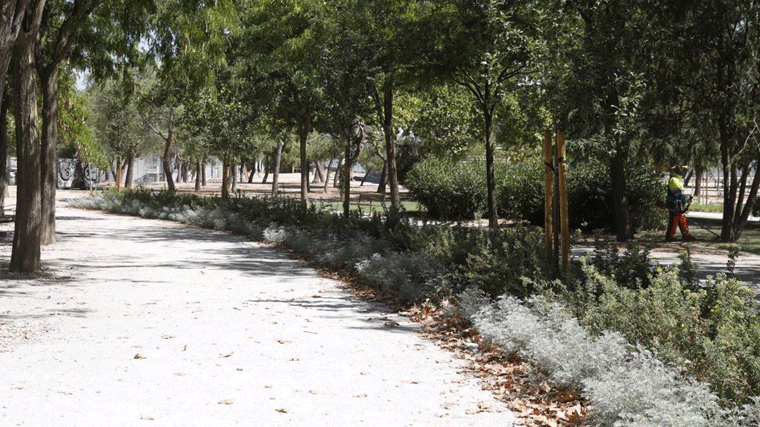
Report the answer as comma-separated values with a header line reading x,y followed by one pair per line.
x,y
449,189
521,191
589,195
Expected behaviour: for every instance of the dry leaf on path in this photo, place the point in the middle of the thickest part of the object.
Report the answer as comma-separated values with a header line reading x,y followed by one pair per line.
x,y
226,402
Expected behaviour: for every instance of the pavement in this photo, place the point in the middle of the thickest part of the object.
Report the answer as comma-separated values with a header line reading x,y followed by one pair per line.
x,y
139,322
708,261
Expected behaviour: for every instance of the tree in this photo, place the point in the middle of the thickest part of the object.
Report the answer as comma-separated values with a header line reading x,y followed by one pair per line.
x,y
285,40
11,16
492,48
347,88
391,29
189,41
25,255
717,51
119,128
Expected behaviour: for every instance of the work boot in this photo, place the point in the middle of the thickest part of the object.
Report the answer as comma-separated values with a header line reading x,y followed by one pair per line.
x,y
689,238
669,238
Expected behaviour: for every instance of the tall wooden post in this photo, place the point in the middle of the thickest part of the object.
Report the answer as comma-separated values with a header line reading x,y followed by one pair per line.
x,y
548,195
564,220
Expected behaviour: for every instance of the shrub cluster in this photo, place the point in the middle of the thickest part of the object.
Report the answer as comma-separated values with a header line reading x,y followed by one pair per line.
x,y
448,189
451,190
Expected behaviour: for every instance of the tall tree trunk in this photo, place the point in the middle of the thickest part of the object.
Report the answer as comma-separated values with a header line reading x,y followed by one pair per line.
x,y
493,219
25,256
276,168
620,206
304,127
4,172
49,82
390,148
267,166
385,114
338,173
197,176
729,180
130,168
119,172
203,172
327,175
319,173
11,16
166,160
233,174
225,176
347,178
383,175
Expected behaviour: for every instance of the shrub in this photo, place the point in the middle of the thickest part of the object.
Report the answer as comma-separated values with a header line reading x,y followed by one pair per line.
x,y
589,195
448,189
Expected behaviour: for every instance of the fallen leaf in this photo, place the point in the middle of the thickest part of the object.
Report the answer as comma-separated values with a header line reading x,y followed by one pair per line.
x,y
392,324
226,402
282,411
222,356
139,356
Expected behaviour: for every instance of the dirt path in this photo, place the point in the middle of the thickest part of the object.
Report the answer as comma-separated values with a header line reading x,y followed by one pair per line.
x,y
142,322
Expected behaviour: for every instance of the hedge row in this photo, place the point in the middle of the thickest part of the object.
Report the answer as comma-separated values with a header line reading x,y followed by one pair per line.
x,y
451,190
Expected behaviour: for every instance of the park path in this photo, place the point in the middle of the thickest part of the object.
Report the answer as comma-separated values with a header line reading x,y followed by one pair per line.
x,y
150,323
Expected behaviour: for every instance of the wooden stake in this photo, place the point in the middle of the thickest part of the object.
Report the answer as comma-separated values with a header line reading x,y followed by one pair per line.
x,y
548,194
565,221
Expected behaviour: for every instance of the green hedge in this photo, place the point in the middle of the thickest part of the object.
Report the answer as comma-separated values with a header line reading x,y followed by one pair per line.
x,y
449,190
452,190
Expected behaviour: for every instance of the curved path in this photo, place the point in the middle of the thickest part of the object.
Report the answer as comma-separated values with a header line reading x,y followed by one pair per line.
x,y
141,322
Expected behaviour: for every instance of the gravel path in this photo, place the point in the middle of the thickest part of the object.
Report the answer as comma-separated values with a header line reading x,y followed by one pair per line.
x,y
139,322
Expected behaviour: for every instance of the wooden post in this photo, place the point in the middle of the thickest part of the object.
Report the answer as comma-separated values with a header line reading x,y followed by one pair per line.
x,y
565,221
548,193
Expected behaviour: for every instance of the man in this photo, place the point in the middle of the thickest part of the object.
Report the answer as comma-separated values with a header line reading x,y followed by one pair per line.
x,y
678,204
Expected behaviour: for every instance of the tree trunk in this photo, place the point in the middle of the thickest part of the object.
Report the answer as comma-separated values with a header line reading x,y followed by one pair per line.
x,y
197,176
347,178
327,175
25,256
304,126
338,173
233,174
390,148
203,172
267,165
319,173
385,115
4,172
225,176
49,82
119,172
11,15
493,219
620,207
130,168
383,175
276,169
166,161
